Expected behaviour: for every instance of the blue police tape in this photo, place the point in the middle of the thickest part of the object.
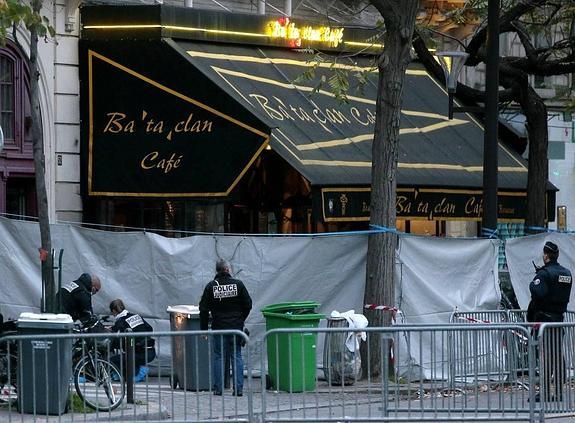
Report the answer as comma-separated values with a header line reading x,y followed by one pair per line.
x,y
376,230
489,233
547,230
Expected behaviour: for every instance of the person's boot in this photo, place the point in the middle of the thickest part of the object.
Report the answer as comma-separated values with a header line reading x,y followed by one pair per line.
x,y
142,373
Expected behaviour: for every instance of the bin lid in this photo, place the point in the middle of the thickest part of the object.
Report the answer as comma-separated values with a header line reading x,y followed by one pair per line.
x,y
184,309
50,318
289,316
290,306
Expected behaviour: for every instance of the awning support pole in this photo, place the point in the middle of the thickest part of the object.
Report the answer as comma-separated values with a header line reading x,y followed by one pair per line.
x,y
288,8
262,7
189,3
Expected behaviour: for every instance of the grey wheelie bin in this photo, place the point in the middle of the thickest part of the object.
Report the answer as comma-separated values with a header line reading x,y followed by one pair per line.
x,y
44,365
190,354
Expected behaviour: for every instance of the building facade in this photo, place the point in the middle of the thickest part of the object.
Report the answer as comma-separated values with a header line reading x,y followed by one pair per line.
x,y
303,164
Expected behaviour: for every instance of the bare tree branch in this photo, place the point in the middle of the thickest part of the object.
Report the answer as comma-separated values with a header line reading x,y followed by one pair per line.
x,y
525,39
480,38
466,93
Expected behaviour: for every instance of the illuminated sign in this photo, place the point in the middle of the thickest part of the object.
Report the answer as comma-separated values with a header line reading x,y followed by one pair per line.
x,y
286,29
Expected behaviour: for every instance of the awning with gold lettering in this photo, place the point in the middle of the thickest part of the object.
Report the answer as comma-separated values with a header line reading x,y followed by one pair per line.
x,y
155,126
328,141
191,123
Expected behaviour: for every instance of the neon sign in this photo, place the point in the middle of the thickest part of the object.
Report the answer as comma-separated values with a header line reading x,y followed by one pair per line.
x,y
286,29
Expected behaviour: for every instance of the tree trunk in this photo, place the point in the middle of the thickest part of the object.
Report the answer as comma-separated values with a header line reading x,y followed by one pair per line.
x,y
536,115
49,302
399,18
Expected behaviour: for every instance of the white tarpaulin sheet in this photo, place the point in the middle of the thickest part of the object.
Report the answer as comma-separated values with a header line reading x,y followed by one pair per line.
x,y
436,277
150,272
520,253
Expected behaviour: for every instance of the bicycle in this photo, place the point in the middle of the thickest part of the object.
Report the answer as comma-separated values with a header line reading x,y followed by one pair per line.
x,y
8,362
98,382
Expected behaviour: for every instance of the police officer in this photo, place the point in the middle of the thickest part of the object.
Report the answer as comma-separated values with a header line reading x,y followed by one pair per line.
x,y
230,303
550,291
144,347
75,298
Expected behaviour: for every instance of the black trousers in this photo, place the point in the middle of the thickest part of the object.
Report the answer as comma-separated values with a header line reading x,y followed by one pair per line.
x,y
552,367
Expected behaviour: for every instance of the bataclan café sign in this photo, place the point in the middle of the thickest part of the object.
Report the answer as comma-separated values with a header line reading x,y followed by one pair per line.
x,y
352,204
148,140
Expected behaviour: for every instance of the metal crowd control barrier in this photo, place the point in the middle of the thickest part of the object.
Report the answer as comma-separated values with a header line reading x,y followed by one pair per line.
x,y
556,354
477,353
96,390
412,384
519,348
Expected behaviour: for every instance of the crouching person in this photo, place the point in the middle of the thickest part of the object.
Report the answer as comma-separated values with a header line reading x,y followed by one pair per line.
x,y
144,349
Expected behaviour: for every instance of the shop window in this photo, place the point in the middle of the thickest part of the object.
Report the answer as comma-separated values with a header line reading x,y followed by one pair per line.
x,y
171,218
425,227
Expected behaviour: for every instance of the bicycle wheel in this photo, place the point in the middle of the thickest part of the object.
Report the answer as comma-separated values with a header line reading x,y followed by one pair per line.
x,y
99,385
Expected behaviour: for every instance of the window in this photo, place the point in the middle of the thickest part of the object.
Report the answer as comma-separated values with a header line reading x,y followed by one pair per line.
x,y
7,101
15,108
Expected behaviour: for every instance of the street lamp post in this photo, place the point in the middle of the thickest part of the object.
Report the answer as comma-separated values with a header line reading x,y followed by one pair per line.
x,y
490,145
452,63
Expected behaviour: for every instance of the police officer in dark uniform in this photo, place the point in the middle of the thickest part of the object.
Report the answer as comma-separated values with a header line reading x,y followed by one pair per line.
x,y
144,348
550,291
230,303
75,298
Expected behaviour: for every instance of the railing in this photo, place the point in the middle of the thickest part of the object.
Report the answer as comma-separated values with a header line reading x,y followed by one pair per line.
x,y
82,377
453,372
412,384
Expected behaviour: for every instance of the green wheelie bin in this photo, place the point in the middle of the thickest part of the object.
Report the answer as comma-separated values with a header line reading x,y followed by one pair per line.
x,y
292,356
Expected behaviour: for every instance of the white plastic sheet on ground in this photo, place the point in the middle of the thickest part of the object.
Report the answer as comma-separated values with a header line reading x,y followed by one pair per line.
x,y
150,272
437,276
520,253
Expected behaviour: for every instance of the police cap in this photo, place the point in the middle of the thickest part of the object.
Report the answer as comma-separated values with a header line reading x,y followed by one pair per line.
x,y
551,247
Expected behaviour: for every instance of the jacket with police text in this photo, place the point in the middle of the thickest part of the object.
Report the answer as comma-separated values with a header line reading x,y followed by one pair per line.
x,y
75,298
130,322
229,302
550,291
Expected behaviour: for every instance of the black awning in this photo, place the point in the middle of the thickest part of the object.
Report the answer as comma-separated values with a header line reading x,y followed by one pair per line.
x,y
154,126
162,118
330,142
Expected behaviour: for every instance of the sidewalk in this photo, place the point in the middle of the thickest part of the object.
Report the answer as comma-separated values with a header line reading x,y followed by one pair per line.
x,y
125,412
157,401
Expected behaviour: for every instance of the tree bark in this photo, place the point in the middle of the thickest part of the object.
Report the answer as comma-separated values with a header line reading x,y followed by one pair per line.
x,y
49,303
535,112
399,18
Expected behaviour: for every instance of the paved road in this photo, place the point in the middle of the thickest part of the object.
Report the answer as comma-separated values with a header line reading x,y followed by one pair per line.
x,y
156,400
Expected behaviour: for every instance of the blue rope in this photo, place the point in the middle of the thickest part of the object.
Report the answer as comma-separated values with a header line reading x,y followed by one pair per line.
x,y
548,230
385,229
489,233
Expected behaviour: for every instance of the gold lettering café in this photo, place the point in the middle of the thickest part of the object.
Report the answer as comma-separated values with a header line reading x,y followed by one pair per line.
x,y
197,120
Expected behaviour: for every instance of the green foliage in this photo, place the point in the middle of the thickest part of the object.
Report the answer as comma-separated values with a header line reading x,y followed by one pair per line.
x,y
566,95
339,80
16,12
77,405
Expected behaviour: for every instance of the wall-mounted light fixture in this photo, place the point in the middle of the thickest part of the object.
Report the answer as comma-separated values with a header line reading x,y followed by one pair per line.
x,y
452,63
561,218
